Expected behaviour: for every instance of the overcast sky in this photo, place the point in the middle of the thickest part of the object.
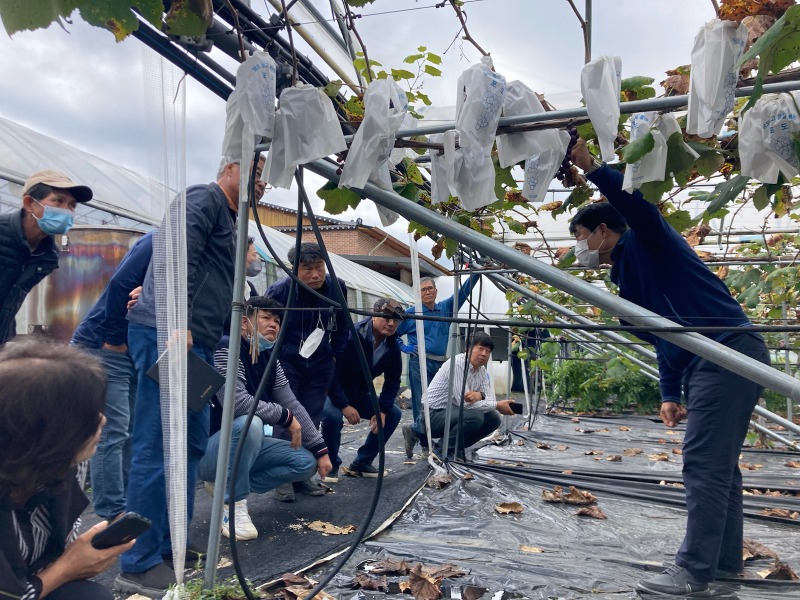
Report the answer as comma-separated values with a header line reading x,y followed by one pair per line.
x,y
76,84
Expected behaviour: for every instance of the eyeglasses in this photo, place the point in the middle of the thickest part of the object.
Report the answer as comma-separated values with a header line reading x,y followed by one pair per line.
x,y
427,289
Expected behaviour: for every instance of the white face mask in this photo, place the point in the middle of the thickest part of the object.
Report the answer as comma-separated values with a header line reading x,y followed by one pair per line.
x,y
312,342
586,257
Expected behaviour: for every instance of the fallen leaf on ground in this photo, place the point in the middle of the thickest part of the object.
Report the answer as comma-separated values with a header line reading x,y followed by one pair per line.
x,y
562,447
505,508
591,511
614,458
438,480
576,420
404,585
662,441
671,432
577,496
543,446
670,483
631,451
294,579
556,495
677,451
424,587
781,571
365,582
783,513
299,593
520,442
468,476
567,472
593,452
389,566
296,526
794,464
624,428
660,457
586,430
533,549
752,549
750,467
445,571
330,528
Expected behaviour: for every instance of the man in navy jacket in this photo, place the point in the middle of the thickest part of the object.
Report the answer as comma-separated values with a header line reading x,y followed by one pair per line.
x,y
349,395
655,268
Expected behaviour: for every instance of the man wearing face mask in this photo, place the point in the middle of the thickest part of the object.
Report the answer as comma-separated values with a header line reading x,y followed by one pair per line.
x,y
254,266
266,462
654,267
28,251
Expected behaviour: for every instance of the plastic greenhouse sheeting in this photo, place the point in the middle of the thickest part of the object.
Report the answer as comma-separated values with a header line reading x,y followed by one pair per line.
x,y
547,551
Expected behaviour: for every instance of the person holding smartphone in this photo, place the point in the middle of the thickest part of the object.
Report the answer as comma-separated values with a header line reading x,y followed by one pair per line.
x,y
52,399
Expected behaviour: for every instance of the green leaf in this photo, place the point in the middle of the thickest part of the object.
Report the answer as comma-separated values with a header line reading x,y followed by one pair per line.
x,y
408,191
680,220
678,158
190,18
515,225
709,163
637,149
332,89
412,58
421,48
22,15
450,247
398,74
337,200
577,197
412,171
424,98
725,192
761,198
432,71
360,3
653,191
434,58
587,132
638,81
502,176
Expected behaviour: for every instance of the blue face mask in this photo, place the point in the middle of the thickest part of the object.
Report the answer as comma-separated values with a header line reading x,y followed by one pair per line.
x,y
264,343
55,221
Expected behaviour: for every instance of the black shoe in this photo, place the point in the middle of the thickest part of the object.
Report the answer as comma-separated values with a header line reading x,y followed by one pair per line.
x,y
359,470
194,554
674,581
409,439
152,583
285,493
308,488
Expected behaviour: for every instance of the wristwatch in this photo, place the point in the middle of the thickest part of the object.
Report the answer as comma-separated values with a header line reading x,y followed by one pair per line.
x,y
483,396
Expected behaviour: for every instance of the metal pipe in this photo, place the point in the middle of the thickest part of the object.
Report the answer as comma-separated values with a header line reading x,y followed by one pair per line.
x,y
775,436
635,314
763,412
587,18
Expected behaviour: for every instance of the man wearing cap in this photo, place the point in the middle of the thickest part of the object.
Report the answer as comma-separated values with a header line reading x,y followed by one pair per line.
x,y
349,396
28,251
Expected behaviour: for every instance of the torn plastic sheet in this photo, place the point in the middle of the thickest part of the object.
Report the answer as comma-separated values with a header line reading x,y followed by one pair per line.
x,y
581,557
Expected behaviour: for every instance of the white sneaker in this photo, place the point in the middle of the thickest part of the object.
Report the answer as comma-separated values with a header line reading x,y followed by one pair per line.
x,y
245,530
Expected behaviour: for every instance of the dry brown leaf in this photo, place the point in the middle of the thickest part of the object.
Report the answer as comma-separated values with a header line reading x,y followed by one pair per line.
x,y
299,592
586,430
677,451
660,457
567,472
631,451
422,586
662,441
505,508
614,458
750,467
330,528
593,452
782,513
576,420
404,585
445,571
752,549
591,511
556,495
562,448
468,476
673,432
438,480
532,549
696,235
579,497
365,582
543,446
794,464
390,566
290,579
781,571
624,428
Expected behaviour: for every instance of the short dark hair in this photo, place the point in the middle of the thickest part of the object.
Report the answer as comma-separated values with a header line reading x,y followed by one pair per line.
x,y
481,338
423,279
389,308
591,215
266,303
309,253
40,191
51,399
250,240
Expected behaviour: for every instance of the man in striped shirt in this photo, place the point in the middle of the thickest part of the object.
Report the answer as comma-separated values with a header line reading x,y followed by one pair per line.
x,y
481,409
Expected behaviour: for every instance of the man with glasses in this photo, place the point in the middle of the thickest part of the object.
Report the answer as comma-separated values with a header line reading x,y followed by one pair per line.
x,y
349,395
436,336
28,251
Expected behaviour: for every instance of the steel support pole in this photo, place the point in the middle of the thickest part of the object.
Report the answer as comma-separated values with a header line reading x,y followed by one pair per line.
x,y
633,313
774,436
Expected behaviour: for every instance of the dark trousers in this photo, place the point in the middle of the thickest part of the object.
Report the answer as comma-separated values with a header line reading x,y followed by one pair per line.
x,y
719,404
309,380
81,590
475,426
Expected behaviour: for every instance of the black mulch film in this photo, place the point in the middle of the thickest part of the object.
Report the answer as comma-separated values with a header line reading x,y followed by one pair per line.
x,y
545,552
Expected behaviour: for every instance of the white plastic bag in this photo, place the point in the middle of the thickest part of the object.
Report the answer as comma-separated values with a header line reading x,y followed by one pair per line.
x,y
515,147
766,145
601,81
653,165
255,84
440,192
717,48
276,172
311,129
470,173
540,169
479,102
385,105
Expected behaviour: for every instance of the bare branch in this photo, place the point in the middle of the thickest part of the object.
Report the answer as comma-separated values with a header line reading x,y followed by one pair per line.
x,y
289,29
235,14
462,17
716,7
349,17
586,52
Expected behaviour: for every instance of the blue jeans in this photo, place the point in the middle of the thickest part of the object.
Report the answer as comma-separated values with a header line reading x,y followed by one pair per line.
x,y
147,494
415,381
332,433
111,463
266,462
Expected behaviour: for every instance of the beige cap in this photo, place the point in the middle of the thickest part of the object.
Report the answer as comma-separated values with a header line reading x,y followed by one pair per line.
x,y
59,181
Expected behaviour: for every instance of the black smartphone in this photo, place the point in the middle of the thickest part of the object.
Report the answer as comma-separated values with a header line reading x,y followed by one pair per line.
x,y
129,526
517,407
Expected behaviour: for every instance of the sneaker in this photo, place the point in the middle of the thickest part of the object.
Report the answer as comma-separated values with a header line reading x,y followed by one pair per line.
x,y
308,488
242,525
332,477
674,581
409,439
359,470
152,583
284,493
722,574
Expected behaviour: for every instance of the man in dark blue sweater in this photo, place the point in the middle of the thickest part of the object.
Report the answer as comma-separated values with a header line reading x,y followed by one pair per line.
x,y
104,333
349,394
654,267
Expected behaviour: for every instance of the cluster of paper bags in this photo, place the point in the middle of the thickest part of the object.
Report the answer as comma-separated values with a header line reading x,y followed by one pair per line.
x,y
305,127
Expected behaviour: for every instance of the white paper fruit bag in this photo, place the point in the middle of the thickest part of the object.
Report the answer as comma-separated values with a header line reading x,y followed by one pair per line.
x,y
601,82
